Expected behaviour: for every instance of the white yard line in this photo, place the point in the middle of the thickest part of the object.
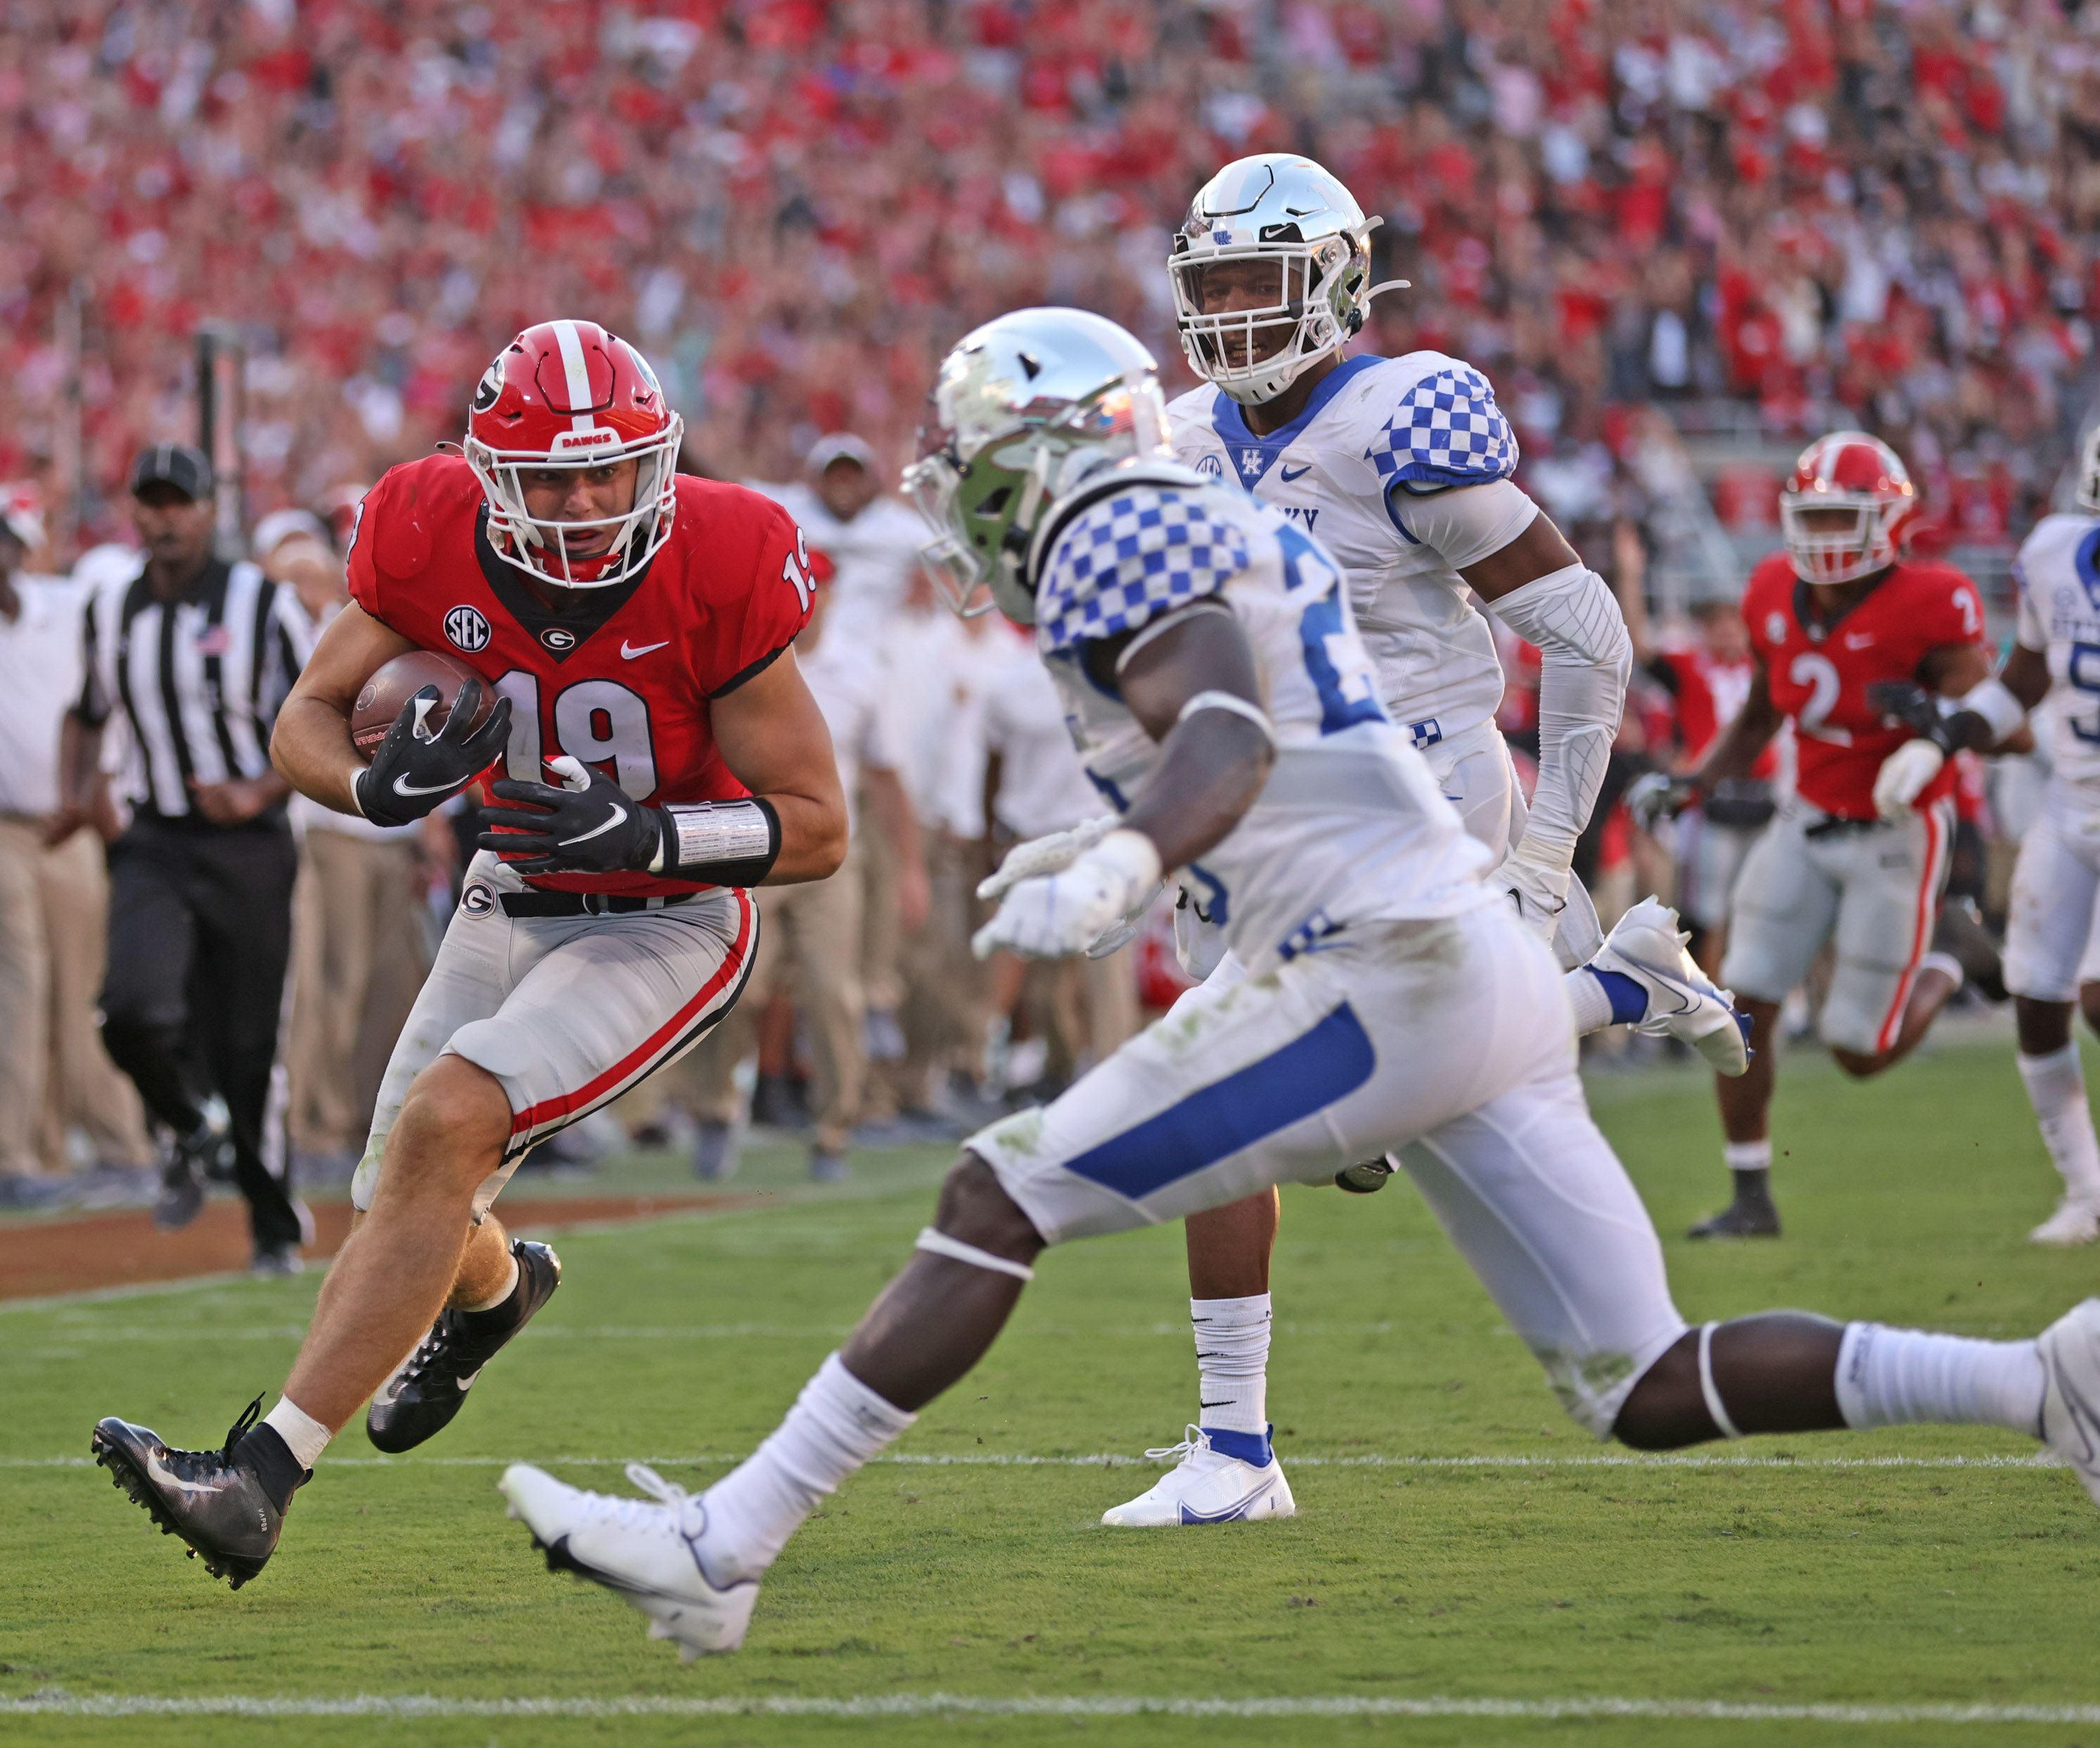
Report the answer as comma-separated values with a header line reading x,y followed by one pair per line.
x,y
2041,1459
60,1704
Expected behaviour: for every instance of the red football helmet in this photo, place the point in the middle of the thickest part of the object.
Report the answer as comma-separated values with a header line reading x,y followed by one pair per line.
x,y
568,394
1861,477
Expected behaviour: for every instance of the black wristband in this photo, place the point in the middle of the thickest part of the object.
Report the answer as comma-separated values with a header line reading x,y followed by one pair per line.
x,y
721,842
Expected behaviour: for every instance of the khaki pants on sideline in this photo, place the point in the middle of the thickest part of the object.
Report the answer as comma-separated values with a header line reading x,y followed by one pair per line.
x,y
83,1087
809,943
54,1071
943,1011
25,982
359,960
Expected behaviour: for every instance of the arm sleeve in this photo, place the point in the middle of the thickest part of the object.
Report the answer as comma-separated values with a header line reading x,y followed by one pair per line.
x,y
754,623
1466,525
1128,559
1586,659
2029,630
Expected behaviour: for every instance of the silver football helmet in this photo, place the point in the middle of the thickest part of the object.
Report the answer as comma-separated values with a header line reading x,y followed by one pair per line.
x,y
1023,409
1271,272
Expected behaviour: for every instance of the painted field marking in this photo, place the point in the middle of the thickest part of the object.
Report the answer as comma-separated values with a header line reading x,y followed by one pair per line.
x,y
61,1704
2041,1459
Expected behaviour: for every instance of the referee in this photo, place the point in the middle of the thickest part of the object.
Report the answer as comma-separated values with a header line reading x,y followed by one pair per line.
x,y
195,655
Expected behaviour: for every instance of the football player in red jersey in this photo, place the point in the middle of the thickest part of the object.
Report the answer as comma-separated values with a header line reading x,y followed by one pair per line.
x,y
659,753
1857,646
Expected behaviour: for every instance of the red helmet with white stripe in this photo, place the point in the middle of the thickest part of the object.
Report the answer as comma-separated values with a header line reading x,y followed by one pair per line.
x,y
568,394
1847,510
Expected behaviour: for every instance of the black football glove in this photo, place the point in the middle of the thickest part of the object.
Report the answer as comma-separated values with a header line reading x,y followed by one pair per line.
x,y
594,828
412,773
1908,702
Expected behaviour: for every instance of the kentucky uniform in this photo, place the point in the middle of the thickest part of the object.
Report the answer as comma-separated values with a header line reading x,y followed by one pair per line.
x,y
1829,868
570,986
1391,999
2049,928
1379,440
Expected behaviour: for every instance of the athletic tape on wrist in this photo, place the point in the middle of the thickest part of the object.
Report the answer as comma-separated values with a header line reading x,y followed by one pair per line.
x,y
728,843
1227,701
941,1246
1992,700
1715,1408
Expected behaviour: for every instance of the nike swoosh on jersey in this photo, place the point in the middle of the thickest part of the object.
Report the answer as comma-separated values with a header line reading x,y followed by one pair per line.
x,y
628,652
613,819
1286,475
402,787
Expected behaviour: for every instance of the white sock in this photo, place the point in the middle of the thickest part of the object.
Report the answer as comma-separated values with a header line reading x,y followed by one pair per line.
x,y
836,1424
1585,995
2056,1089
304,1436
1747,1155
1893,1377
509,1286
1232,1362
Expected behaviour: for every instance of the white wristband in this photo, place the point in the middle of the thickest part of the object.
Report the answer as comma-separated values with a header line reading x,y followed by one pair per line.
x,y
1992,700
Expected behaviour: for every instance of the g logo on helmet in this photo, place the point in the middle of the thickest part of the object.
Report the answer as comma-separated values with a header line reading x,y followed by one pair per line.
x,y
489,390
467,629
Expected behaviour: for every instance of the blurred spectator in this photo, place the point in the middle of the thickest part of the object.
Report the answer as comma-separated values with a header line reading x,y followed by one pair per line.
x,y
1800,216
810,938
54,894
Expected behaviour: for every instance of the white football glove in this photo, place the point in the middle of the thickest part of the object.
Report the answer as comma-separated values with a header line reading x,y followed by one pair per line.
x,y
1903,778
1199,943
1051,916
1540,893
1041,855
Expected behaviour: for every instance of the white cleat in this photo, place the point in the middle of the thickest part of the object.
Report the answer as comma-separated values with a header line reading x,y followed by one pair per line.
x,y
647,1552
1647,945
2070,1349
2075,1222
1207,1486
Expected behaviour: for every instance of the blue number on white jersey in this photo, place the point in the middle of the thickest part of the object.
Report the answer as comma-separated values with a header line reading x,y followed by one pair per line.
x,y
1341,673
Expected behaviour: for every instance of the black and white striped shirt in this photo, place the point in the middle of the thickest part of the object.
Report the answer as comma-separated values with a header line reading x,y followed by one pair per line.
x,y
199,681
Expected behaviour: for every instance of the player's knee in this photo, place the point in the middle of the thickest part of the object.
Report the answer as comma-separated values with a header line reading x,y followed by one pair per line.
x,y
975,1208
1861,1065
455,1117
1665,1409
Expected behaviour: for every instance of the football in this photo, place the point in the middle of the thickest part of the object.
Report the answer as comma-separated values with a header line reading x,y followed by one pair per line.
x,y
391,685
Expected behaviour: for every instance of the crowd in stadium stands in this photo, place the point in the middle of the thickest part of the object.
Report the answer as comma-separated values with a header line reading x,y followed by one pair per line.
x,y
1850,212
1755,220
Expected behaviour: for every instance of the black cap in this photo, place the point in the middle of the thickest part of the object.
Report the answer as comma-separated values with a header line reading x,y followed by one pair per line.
x,y
177,464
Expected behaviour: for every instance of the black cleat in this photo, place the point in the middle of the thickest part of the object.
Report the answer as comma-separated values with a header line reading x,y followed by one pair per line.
x,y
219,1506
1746,1217
419,1401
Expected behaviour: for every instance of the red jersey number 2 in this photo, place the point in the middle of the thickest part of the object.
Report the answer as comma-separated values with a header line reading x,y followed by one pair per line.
x,y
598,721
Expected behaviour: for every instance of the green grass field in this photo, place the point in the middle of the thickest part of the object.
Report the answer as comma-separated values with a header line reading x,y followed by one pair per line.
x,y
1925,1569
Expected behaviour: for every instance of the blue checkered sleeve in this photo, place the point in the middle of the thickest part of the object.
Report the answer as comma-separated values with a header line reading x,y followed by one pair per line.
x,y
1124,561
1446,431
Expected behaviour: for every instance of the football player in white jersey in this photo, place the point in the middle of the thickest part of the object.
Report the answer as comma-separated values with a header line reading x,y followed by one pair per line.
x,y
1220,695
1402,468
2057,879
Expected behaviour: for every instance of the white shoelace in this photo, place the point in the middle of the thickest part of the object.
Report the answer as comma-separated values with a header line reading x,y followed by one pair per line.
x,y
1194,1442
646,1514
